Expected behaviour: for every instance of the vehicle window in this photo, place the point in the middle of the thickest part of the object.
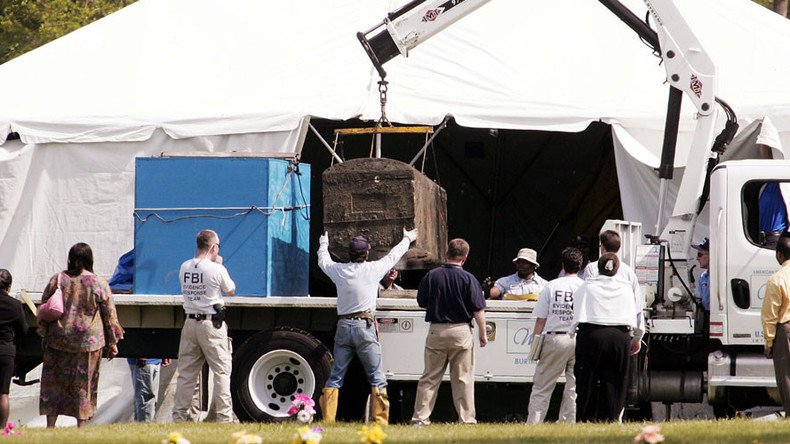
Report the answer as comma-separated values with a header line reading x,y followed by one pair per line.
x,y
764,210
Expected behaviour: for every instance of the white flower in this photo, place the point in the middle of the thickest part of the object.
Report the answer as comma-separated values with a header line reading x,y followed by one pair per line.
x,y
304,417
311,435
650,434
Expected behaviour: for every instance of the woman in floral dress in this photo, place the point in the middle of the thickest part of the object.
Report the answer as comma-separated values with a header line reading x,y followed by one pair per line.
x,y
73,344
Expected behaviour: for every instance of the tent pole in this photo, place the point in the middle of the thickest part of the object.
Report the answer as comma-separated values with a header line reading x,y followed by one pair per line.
x,y
331,150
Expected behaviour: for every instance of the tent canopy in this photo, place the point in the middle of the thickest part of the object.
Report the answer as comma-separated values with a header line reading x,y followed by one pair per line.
x,y
207,67
212,75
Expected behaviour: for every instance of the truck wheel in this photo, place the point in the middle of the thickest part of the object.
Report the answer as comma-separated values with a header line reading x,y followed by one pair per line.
x,y
272,367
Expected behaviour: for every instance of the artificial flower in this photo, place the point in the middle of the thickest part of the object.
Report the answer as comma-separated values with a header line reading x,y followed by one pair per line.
x,y
306,435
372,435
650,434
304,417
245,438
175,438
9,429
304,407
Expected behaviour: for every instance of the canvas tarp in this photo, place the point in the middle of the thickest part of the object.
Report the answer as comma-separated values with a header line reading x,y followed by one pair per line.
x,y
208,75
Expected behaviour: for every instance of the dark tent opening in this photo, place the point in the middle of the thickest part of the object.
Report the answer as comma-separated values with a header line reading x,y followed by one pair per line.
x,y
506,189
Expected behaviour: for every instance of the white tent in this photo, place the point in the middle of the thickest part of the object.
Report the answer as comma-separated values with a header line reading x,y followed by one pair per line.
x,y
246,75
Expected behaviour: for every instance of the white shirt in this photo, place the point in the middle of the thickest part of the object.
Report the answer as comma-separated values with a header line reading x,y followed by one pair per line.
x,y
624,272
358,282
555,303
201,283
515,285
605,300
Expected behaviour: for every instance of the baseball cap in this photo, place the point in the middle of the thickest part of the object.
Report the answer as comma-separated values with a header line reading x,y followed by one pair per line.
x,y
702,246
358,244
529,255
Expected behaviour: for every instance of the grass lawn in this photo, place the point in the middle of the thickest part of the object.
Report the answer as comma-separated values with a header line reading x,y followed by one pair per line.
x,y
734,431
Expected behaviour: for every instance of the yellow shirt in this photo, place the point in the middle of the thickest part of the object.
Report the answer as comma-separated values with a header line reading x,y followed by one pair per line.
x,y
776,302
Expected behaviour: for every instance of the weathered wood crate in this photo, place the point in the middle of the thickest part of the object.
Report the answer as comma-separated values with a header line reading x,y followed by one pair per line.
x,y
377,198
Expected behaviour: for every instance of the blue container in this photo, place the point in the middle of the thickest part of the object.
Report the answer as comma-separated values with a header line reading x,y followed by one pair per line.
x,y
259,207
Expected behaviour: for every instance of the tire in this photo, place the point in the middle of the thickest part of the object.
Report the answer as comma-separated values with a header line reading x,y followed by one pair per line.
x,y
272,367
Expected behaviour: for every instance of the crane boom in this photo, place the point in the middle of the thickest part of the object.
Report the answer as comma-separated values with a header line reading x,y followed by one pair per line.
x,y
690,72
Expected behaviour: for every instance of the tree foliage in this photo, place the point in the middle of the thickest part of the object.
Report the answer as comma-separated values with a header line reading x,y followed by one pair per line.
x,y
28,24
778,6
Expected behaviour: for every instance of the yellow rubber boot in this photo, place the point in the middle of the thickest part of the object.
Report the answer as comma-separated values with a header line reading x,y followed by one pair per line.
x,y
328,404
379,406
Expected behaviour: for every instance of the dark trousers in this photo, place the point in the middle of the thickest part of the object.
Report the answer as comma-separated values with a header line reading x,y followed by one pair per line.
x,y
782,364
601,369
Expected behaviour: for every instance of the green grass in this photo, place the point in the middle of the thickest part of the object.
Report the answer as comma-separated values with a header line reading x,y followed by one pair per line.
x,y
732,431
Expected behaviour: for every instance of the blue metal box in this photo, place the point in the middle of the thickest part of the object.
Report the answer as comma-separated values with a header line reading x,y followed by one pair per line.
x,y
260,207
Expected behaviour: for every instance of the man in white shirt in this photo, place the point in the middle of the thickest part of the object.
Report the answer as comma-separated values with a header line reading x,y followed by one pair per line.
x,y
204,337
554,311
609,332
610,243
357,285
524,281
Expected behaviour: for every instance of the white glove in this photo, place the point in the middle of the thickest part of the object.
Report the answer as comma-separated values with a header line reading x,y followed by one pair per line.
x,y
410,235
324,239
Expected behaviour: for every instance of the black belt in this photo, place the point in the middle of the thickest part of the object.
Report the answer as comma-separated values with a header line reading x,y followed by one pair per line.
x,y
199,317
556,333
588,326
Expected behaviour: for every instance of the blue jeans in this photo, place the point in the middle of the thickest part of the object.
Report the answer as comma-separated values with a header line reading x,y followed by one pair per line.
x,y
145,380
354,336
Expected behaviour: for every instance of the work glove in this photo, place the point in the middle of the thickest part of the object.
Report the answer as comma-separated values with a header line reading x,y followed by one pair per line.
x,y
324,239
411,235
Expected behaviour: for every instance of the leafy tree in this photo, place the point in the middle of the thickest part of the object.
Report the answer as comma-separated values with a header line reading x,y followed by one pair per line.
x,y
778,6
28,24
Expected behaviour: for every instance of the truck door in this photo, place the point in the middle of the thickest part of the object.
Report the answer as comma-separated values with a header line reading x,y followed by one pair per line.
x,y
741,258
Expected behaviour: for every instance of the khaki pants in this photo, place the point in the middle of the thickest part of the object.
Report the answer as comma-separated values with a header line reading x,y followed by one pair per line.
x,y
781,362
448,344
202,342
556,358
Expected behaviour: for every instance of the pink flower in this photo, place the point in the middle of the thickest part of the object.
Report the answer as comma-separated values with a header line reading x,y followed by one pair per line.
x,y
9,429
303,407
650,434
304,400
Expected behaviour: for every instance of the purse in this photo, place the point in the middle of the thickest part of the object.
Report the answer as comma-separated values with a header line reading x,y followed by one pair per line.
x,y
52,310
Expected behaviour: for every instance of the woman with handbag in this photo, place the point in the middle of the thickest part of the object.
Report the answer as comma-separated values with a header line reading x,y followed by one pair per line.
x,y
73,343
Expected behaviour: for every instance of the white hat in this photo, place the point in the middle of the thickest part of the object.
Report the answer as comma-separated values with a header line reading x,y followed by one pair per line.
x,y
529,255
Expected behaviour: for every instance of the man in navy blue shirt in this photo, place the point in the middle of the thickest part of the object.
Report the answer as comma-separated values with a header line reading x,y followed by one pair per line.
x,y
772,208
451,297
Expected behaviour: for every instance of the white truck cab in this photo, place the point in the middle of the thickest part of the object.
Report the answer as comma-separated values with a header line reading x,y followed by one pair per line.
x,y
740,267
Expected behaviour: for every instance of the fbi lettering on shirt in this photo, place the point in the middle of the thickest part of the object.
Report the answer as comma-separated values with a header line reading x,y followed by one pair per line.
x,y
562,305
193,286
